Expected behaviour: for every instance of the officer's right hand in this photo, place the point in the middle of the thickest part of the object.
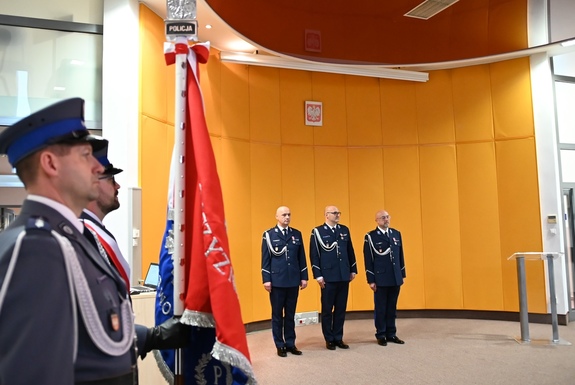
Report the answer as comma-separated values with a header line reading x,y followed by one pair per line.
x,y
373,287
321,282
268,286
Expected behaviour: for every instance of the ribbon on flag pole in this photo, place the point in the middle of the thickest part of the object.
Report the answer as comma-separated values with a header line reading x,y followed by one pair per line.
x,y
210,299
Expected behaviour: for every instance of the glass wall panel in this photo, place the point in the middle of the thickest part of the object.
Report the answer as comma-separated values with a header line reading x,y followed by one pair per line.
x,y
39,67
568,166
79,11
565,97
564,65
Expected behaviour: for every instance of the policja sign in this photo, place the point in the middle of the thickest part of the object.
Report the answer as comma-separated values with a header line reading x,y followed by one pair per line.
x,y
187,28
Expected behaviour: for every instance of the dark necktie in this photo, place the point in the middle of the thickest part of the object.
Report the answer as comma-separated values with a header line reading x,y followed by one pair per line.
x,y
284,232
386,234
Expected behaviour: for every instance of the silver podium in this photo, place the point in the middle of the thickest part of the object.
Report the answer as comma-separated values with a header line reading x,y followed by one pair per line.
x,y
520,259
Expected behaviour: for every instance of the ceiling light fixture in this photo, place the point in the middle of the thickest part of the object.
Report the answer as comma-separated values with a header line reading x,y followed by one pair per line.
x,y
429,8
568,43
304,65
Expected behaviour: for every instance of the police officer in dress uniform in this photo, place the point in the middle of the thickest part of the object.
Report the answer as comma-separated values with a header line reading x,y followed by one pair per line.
x,y
95,212
333,264
385,270
284,271
65,314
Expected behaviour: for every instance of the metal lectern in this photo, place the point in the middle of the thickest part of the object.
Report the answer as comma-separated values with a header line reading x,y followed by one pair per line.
x,y
523,312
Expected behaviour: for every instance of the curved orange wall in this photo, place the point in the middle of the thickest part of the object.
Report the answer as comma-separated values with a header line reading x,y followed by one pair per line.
x,y
453,160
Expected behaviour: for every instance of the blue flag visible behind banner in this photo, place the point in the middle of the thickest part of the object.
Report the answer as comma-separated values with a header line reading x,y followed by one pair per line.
x,y
165,294
200,368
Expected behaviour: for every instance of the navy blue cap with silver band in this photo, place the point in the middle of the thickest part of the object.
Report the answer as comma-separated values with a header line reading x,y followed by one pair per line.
x,y
102,156
62,122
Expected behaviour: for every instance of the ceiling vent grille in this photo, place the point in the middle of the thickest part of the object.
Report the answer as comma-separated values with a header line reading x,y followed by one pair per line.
x,y
429,8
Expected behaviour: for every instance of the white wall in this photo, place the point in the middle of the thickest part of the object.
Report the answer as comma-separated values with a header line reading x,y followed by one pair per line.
x,y
120,103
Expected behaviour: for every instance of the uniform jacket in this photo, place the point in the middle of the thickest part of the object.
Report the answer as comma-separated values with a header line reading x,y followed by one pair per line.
x,y
36,323
384,262
283,258
331,254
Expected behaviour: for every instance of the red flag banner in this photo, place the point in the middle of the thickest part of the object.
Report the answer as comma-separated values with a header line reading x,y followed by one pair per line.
x,y
210,299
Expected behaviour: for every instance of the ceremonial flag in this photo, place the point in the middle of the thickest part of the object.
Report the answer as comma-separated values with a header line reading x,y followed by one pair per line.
x,y
210,298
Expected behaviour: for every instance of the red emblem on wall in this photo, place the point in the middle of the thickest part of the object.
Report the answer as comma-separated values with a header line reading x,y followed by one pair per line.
x,y
313,113
312,40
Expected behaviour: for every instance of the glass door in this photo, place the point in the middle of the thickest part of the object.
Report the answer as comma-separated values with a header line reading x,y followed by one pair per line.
x,y
7,215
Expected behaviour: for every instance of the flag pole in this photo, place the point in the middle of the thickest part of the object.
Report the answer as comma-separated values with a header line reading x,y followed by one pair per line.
x,y
181,27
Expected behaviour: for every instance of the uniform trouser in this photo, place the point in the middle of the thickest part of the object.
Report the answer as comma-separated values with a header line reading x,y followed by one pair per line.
x,y
333,306
385,299
283,301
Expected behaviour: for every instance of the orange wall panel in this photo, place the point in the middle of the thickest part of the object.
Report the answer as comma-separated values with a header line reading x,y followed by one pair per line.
x,y
519,220
472,104
441,228
298,193
366,191
332,186
155,91
217,147
330,90
479,221
295,89
211,85
265,198
402,189
264,104
398,112
331,181
296,185
435,109
364,111
512,107
235,102
157,139
236,187
366,195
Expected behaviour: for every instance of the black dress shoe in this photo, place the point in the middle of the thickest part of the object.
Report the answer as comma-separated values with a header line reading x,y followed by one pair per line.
x,y
330,345
294,350
382,341
341,345
395,340
282,352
